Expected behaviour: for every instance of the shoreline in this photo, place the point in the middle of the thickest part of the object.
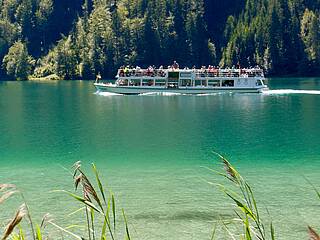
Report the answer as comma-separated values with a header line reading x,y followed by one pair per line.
x,y
47,79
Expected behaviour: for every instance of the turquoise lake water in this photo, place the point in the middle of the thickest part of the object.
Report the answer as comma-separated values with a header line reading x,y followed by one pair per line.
x,y
152,150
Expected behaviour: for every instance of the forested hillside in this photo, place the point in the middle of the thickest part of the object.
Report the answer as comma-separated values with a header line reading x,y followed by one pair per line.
x,y
76,39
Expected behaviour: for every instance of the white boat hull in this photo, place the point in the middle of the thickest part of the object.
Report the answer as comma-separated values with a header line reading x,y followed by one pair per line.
x,y
132,90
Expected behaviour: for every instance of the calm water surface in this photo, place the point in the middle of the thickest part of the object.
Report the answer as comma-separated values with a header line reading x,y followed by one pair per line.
x,y
152,149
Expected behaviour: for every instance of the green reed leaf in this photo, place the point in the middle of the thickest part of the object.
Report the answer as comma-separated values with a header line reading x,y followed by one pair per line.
x,y
99,182
104,229
21,233
272,231
214,232
113,212
109,226
126,224
38,232
82,200
247,227
242,207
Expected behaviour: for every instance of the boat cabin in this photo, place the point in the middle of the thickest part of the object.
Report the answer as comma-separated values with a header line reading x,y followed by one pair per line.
x,y
186,78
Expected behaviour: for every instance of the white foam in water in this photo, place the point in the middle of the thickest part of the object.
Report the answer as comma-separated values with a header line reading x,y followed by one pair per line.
x,y
107,94
160,93
266,92
291,91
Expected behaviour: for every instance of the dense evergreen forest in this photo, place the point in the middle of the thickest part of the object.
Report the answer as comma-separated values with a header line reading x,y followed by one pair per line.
x,y
76,39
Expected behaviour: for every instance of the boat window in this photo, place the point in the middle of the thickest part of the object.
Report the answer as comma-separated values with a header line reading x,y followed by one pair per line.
x,y
160,82
186,83
227,83
135,82
173,75
147,82
122,82
214,83
185,75
259,82
200,82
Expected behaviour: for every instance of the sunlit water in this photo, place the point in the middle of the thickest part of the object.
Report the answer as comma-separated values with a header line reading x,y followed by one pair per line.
x,y
153,152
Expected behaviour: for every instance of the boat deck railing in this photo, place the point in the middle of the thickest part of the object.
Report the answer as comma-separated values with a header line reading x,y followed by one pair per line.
x,y
212,73
142,73
198,73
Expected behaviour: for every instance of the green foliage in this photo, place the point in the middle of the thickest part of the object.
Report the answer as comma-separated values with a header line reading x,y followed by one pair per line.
x,y
268,33
102,35
17,62
310,33
65,59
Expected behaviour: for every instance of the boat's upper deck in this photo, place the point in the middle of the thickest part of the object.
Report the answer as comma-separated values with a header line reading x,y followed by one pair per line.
x,y
186,73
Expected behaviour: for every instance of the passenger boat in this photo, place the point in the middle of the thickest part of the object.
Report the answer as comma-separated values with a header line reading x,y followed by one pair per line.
x,y
185,81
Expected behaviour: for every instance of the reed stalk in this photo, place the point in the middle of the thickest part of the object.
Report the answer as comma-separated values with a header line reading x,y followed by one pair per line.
x,y
101,218
247,211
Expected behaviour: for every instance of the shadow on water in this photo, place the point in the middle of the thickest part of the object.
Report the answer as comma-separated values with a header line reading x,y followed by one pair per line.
x,y
183,215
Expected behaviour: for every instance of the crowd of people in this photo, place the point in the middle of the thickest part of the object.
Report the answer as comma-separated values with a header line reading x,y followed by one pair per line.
x,y
151,71
204,71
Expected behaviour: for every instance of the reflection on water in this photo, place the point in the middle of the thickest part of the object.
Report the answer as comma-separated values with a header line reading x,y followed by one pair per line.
x,y
150,150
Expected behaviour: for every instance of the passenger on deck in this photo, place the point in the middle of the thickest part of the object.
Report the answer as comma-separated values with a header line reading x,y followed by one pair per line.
x,y
175,65
98,78
126,71
121,72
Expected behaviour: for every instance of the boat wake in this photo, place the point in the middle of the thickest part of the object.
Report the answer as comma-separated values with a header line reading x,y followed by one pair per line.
x,y
160,94
178,94
107,94
266,92
290,91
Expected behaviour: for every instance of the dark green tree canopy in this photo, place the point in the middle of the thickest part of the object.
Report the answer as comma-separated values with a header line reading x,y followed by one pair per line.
x,y
76,39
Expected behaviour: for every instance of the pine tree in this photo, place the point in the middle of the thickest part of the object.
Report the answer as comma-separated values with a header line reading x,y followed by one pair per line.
x,y
310,33
17,62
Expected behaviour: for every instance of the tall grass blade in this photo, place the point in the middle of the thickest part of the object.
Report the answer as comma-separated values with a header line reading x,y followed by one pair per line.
x,y
5,186
88,222
38,232
6,195
21,234
272,232
76,211
126,224
66,231
108,209
103,231
313,235
113,212
242,207
253,200
109,227
214,232
89,189
314,188
99,183
227,230
231,172
20,214
44,220
247,227
29,218
82,200
92,223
